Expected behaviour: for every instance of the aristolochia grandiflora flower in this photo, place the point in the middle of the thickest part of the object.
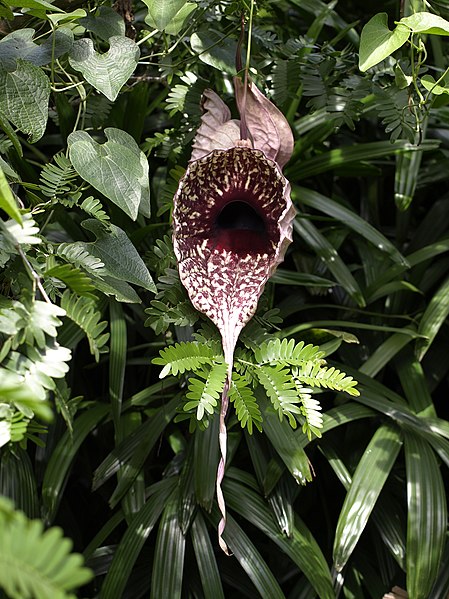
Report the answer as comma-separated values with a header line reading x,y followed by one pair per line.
x,y
232,219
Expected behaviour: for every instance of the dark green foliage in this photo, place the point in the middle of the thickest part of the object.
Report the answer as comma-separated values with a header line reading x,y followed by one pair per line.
x,y
110,380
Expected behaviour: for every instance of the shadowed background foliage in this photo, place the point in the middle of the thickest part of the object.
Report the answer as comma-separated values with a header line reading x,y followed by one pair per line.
x,y
99,455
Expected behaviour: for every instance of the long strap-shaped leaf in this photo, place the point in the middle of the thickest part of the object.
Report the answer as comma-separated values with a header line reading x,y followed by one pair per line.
x,y
367,483
427,517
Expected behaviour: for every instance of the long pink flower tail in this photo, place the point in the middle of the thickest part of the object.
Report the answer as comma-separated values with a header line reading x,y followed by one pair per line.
x,y
222,439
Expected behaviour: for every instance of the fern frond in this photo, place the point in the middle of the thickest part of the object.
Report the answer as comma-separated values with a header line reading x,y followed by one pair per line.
x,y
245,403
35,562
82,311
316,375
311,410
55,179
287,352
286,78
186,98
190,355
74,278
161,315
77,255
94,208
205,391
281,390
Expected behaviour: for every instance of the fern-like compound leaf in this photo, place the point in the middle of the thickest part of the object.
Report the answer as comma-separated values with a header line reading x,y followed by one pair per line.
x,y
35,562
83,312
316,375
245,403
56,179
286,351
205,391
181,357
281,390
77,255
94,208
74,278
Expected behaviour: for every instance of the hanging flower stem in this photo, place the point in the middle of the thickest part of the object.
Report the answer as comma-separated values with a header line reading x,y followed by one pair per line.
x,y
223,441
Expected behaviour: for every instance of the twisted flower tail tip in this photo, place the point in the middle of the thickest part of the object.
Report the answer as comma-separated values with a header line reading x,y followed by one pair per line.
x,y
232,222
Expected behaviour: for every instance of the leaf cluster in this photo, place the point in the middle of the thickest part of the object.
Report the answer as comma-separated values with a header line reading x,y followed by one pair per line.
x,y
286,371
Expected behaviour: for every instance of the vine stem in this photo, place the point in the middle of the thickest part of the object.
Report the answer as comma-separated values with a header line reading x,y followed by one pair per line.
x,y
243,126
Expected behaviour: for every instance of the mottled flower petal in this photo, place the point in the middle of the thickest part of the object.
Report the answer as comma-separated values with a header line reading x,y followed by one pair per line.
x,y
232,220
269,128
217,130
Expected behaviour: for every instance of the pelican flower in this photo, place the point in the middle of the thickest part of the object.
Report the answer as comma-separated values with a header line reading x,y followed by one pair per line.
x,y
232,220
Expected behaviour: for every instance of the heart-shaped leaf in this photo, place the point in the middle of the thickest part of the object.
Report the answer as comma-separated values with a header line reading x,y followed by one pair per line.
x,y
429,83
117,168
120,258
215,49
19,44
163,11
426,22
24,96
105,23
106,72
377,42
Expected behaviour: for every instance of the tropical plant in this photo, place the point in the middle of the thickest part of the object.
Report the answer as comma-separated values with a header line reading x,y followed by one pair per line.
x,y
111,381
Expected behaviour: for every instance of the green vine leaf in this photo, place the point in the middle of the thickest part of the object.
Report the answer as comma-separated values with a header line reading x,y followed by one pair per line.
x,y
24,97
19,44
7,200
162,12
118,168
106,72
204,392
105,22
426,22
118,255
215,50
377,42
